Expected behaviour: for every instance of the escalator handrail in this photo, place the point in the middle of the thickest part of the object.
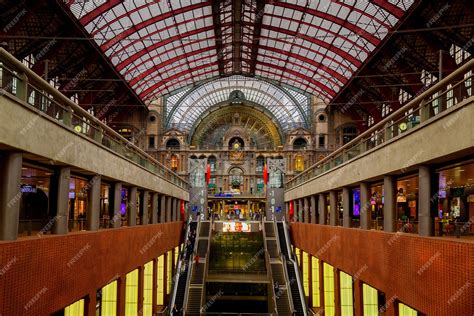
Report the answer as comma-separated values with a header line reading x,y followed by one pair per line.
x,y
295,267
288,283
190,266
277,235
206,263
178,269
269,267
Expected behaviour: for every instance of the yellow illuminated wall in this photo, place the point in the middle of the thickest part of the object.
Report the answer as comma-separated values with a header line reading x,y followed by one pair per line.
x,y
329,299
160,284
131,293
109,299
148,289
305,273
315,281
370,300
298,255
176,255
76,309
347,294
404,310
169,271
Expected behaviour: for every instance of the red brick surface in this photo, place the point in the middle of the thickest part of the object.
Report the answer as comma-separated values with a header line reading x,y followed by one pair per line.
x,y
433,275
39,273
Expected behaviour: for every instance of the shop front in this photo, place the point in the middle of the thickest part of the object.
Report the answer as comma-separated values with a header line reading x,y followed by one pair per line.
x,y
455,201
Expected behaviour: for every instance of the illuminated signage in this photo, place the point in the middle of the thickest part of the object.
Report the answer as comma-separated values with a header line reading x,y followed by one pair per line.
x,y
235,227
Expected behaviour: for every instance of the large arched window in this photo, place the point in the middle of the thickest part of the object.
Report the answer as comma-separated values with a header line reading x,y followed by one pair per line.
x,y
172,144
300,143
236,143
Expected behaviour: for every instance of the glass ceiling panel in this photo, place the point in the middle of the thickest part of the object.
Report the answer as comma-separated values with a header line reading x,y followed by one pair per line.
x,y
290,108
163,46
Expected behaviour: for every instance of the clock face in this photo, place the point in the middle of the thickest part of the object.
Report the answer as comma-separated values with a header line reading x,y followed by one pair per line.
x,y
403,126
236,146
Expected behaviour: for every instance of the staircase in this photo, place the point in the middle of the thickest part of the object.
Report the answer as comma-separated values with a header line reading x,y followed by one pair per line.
x,y
195,284
282,302
194,301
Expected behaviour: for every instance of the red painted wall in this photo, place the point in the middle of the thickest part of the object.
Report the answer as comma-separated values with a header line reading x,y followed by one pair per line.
x,y
433,275
48,273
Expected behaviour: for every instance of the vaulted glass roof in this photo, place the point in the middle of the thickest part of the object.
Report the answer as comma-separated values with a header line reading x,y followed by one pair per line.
x,y
162,46
289,109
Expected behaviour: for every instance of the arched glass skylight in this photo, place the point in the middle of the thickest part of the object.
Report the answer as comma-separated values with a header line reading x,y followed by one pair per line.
x,y
291,110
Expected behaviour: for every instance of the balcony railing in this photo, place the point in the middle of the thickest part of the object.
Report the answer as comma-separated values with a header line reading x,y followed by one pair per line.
x,y
21,82
445,94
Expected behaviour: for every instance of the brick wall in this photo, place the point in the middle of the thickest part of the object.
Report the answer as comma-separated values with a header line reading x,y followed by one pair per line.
x,y
40,275
433,275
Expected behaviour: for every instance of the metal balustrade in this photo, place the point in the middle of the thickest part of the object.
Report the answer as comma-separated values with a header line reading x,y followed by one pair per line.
x,y
435,100
20,82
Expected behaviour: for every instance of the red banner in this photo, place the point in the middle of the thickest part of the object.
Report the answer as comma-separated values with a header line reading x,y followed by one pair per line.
x,y
265,174
292,208
208,174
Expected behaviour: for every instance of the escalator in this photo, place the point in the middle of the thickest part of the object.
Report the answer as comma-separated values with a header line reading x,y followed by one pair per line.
x,y
183,267
294,280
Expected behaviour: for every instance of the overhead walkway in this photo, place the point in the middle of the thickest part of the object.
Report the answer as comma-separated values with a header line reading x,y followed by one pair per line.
x,y
435,126
47,127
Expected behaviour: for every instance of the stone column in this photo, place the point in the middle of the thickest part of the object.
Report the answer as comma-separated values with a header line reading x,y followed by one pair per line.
x,y
116,220
176,209
144,207
346,202
93,204
334,215
162,208
313,209
365,214
169,209
132,207
425,198
390,204
154,208
306,210
323,211
10,194
62,177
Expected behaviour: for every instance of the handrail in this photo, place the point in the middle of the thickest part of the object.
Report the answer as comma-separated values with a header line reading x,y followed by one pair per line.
x,y
191,266
72,107
288,284
277,235
416,101
206,264
178,268
295,267
269,268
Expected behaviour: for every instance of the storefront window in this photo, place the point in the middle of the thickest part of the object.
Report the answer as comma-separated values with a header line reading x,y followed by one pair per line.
x,y
407,204
35,212
78,189
376,206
